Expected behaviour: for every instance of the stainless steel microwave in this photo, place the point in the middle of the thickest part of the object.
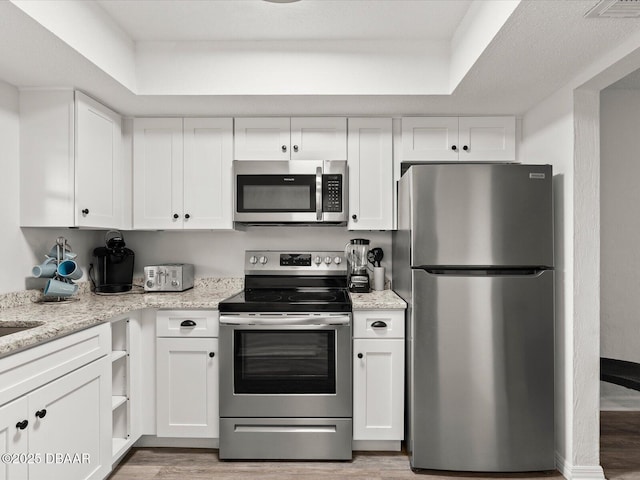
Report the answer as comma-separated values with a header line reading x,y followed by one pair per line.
x,y
281,192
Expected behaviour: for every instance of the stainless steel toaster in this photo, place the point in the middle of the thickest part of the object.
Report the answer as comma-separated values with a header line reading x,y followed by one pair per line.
x,y
168,277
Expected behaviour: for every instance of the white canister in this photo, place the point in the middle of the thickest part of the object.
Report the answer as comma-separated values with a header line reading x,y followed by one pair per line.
x,y
378,278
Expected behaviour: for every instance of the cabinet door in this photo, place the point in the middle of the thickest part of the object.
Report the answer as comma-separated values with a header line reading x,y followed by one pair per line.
x,y
370,174
77,422
208,155
14,440
486,139
265,138
378,389
99,182
430,138
319,138
157,173
46,158
187,382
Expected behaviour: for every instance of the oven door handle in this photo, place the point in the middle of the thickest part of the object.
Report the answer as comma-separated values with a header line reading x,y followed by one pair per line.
x,y
250,320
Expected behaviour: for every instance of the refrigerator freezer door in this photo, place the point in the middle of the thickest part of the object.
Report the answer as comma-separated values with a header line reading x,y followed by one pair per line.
x,y
481,214
482,372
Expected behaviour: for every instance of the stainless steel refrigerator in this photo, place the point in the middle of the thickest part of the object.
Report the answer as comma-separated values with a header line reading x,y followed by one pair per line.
x,y
473,258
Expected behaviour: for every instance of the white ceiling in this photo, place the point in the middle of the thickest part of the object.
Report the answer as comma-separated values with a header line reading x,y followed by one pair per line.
x,y
542,46
242,20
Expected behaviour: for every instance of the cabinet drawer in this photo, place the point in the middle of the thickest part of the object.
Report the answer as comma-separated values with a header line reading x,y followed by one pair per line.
x,y
378,324
187,323
32,368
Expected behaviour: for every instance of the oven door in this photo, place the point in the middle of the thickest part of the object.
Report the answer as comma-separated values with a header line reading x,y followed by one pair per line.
x,y
289,192
285,370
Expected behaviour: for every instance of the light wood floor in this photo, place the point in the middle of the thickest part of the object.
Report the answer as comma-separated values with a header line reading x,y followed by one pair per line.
x,y
620,458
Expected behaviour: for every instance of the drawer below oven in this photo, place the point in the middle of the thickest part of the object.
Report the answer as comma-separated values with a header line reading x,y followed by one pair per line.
x,y
285,439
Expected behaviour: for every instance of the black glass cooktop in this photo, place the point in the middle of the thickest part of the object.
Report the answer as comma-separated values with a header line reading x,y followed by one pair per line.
x,y
288,300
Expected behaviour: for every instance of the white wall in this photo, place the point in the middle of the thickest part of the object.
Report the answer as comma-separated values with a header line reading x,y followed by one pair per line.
x,y
547,134
564,128
221,254
309,68
22,248
620,238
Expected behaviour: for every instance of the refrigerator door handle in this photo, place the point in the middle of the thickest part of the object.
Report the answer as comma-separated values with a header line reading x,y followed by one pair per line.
x,y
487,272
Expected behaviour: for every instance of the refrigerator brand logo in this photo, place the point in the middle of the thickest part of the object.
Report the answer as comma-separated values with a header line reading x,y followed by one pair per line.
x,y
537,176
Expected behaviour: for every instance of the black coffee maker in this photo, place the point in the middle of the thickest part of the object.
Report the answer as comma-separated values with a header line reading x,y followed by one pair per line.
x,y
113,265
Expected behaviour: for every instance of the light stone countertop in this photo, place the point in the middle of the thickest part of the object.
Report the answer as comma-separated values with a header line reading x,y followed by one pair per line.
x,y
377,300
53,319
59,319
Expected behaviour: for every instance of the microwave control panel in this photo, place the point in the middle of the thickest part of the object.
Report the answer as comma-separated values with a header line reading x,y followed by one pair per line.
x,y
332,193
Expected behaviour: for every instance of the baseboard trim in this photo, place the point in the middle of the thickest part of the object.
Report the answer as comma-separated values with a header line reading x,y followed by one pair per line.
x,y
377,445
578,472
153,441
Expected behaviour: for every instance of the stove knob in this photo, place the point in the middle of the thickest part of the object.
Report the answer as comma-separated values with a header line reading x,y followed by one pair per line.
x,y
149,283
337,260
174,283
253,260
263,260
317,260
327,260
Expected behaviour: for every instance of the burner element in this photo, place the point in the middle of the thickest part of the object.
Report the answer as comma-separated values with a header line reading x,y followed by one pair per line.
x,y
312,297
264,296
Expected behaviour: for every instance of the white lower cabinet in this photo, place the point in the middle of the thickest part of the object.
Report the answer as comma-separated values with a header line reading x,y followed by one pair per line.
x,y
378,376
187,378
62,428
14,421
125,383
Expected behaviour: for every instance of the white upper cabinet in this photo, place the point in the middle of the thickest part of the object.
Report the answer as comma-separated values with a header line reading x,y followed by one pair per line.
x,y
319,138
157,173
430,138
298,138
371,187
207,173
99,176
73,171
487,139
182,173
465,139
266,138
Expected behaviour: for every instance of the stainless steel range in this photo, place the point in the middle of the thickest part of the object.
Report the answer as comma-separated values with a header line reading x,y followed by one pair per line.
x,y
285,359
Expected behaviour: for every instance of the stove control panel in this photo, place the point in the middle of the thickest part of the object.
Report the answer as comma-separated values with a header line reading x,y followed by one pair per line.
x,y
276,262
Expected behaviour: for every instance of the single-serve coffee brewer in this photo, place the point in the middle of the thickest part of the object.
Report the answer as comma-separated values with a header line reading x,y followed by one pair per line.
x,y
113,265
356,255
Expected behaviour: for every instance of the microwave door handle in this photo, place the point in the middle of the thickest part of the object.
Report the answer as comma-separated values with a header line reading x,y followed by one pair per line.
x,y
319,194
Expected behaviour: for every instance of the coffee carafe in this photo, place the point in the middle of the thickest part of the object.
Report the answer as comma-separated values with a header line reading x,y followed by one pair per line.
x,y
113,265
356,255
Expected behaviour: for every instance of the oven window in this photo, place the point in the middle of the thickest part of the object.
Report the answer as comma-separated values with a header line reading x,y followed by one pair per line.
x,y
276,193
284,361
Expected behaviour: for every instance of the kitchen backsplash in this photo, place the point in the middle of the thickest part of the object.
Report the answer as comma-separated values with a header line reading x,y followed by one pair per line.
x,y
221,254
